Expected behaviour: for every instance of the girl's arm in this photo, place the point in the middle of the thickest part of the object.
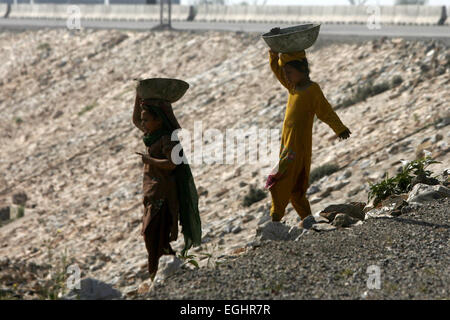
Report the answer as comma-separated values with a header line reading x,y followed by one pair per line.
x,y
160,163
277,70
325,113
167,146
166,164
137,114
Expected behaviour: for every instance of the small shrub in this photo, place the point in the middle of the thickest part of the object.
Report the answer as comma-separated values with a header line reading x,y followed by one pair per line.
x,y
8,295
347,102
18,120
396,81
368,90
371,89
344,274
322,171
189,258
401,183
56,284
382,190
44,46
379,88
254,195
418,166
403,180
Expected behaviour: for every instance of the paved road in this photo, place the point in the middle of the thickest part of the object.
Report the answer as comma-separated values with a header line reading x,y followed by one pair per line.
x,y
341,31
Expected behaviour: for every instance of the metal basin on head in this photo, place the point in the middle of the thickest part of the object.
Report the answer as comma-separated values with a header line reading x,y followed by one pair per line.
x,y
292,39
161,88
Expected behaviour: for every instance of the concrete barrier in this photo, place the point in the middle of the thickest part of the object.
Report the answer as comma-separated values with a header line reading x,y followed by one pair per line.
x,y
129,12
262,14
342,14
208,13
3,10
309,14
447,20
254,14
348,14
318,14
357,15
302,13
387,14
217,13
119,12
221,13
92,12
237,13
279,14
200,13
429,15
32,11
257,14
20,11
328,15
52,11
410,14
315,14
406,14
292,14
362,14
180,12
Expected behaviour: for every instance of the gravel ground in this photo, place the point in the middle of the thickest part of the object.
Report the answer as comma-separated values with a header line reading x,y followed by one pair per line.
x,y
411,251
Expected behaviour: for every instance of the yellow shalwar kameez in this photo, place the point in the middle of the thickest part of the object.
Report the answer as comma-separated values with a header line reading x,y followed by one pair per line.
x,y
296,141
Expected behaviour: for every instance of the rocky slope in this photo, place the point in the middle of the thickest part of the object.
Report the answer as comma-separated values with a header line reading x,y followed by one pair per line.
x,y
409,251
67,139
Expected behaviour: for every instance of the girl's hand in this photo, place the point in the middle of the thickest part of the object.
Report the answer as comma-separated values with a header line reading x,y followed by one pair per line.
x,y
145,158
272,179
278,175
273,53
165,164
345,134
275,173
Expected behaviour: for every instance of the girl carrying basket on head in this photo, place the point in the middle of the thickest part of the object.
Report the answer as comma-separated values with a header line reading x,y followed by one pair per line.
x,y
289,179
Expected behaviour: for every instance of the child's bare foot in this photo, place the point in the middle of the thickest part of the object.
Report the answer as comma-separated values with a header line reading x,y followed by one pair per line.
x,y
309,223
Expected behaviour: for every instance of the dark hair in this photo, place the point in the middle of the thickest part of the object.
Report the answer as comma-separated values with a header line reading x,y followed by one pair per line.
x,y
300,65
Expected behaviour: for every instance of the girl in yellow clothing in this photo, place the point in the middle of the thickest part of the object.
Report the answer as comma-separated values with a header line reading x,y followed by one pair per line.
x,y
289,179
